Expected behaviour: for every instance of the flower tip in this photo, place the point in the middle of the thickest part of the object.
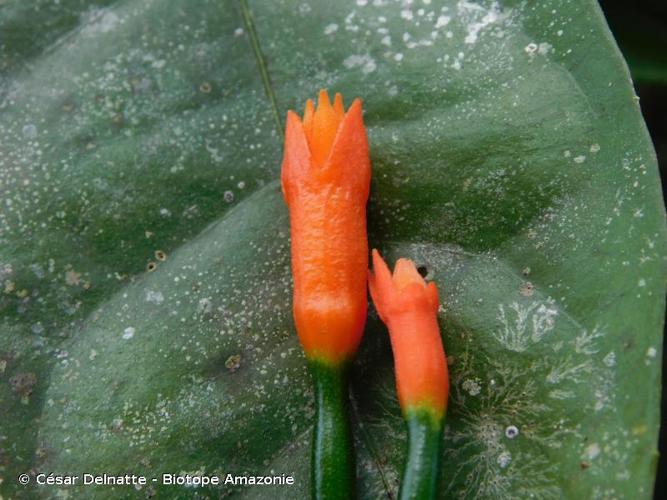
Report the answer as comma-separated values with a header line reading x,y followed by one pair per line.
x,y
308,112
321,125
291,116
323,99
339,107
296,156
380,284
355,107
380,267
405,274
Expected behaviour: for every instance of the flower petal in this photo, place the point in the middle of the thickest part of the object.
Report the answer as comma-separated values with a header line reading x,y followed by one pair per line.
x,y
296,159
405,273
349,162
381,285
322,128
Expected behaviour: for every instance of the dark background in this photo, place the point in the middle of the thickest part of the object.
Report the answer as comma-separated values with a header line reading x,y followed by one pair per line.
x,y
640,28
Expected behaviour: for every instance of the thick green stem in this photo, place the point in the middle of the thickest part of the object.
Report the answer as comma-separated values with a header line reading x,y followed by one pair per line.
x,y
332,466
420,477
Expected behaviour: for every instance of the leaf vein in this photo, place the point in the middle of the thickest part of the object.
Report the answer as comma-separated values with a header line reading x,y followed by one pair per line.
x,y
261,61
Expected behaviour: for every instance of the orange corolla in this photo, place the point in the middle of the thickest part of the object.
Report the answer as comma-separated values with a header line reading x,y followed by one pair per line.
x,y
409,306
325,181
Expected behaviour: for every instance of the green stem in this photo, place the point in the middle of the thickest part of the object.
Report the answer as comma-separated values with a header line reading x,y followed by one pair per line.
x,y
332,466
420,477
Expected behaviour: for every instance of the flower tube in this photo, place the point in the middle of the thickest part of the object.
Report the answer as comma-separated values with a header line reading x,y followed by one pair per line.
x,y
325,181
409,306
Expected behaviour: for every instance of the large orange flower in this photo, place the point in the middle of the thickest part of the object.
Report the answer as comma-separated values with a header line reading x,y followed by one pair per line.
x,y
325,180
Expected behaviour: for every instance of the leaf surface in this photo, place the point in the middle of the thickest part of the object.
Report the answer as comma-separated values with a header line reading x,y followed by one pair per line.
x,y
144,257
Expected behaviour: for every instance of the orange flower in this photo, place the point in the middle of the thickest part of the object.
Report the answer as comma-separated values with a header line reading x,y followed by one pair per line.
x,y
325,181
409,306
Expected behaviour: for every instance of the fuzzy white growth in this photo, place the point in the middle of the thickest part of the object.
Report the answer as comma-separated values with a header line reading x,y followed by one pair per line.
x,y
524,325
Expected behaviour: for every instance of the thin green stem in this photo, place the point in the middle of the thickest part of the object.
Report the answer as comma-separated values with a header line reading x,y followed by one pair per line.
x,y
367,442
332,465
261,62
420,477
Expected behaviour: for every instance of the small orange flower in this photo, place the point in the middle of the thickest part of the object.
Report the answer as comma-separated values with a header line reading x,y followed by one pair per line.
x,y
409,306
325,181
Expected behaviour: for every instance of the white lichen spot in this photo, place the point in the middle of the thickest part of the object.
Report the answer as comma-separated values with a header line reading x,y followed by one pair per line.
x,y
594,148
481,18
561,394
472,387
527,289
99,21
228,196
584,343
29,131
531,48
205,306
511,431
544,48
365,62
72,278
154,297
565,370
128,333
37,270
651,352
216,156
591,452
330,29
504,459
610,359
442,21
579,159
528,324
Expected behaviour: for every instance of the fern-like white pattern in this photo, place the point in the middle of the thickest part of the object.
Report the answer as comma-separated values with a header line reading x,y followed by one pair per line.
x,y
523,325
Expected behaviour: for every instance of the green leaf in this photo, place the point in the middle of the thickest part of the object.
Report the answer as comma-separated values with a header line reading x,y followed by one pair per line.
x,y
144,261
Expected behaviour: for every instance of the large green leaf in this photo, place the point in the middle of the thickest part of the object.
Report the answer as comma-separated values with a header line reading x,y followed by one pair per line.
x,y
144,256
